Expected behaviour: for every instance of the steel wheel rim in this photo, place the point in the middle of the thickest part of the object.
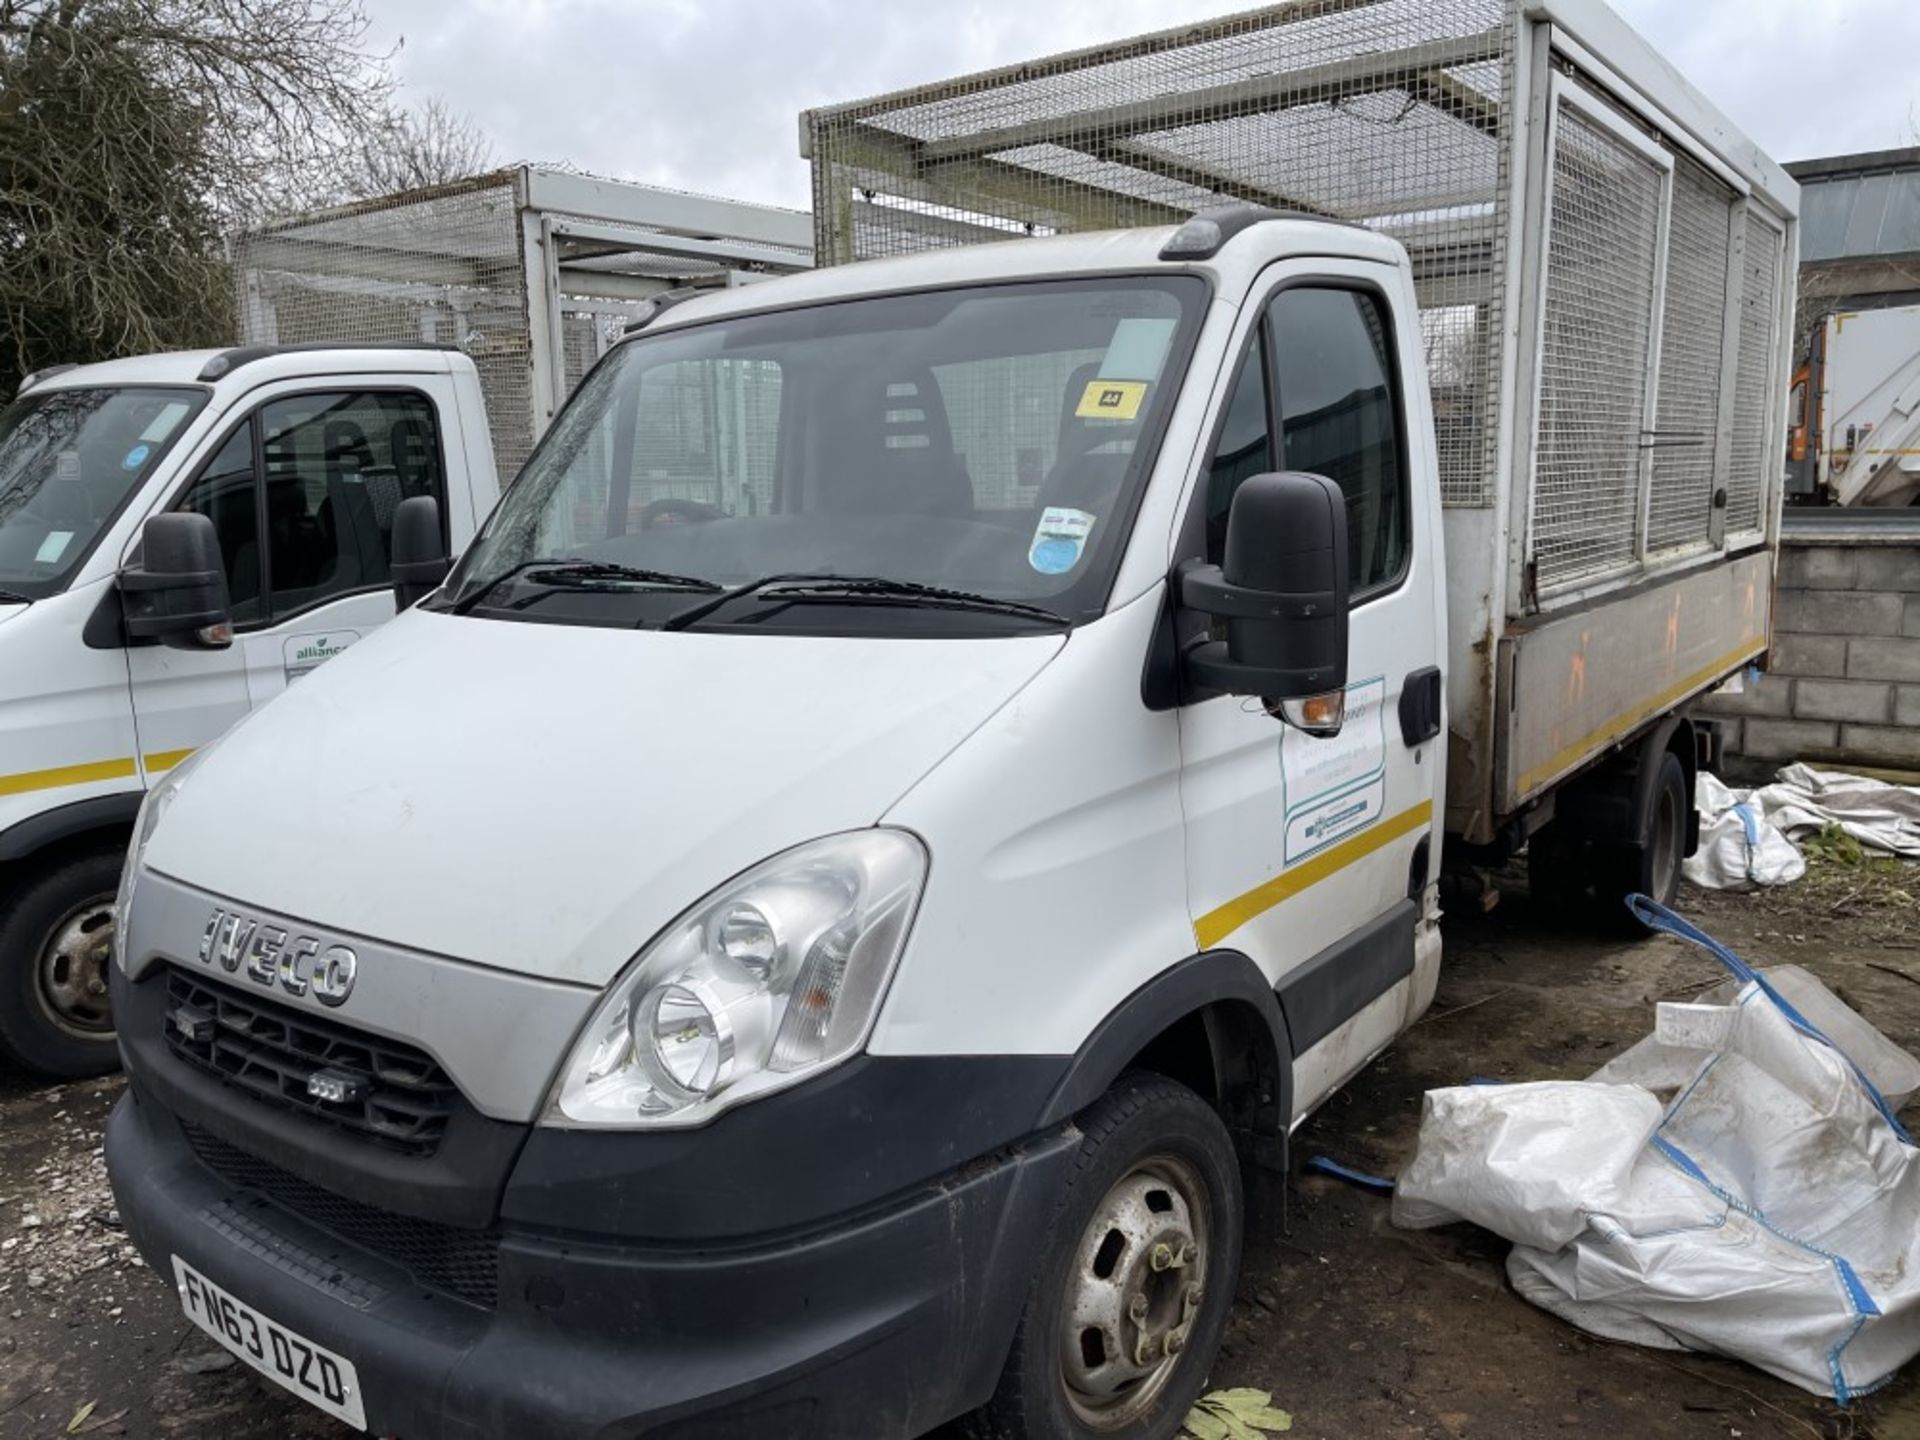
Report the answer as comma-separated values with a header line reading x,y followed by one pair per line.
x,y
1666,847
70,978
1133,1292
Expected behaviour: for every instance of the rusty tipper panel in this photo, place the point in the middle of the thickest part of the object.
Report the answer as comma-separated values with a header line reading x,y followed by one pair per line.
x,y
1588,680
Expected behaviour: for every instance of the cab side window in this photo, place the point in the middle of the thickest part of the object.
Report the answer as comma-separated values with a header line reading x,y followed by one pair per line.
x,y
1340,417
227,493
316,519
1244,447
337,466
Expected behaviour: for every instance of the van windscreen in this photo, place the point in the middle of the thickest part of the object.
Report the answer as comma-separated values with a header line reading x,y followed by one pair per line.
x,y
68,461
989,441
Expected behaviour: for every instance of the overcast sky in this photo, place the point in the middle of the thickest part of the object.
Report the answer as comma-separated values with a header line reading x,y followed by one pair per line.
x,y
704,94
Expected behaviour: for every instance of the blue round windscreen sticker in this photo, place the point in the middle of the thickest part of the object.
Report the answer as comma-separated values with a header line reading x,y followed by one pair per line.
x,y
136,457
1054,557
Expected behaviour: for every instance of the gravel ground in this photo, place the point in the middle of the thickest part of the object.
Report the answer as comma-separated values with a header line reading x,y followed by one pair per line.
x,y
1358,1329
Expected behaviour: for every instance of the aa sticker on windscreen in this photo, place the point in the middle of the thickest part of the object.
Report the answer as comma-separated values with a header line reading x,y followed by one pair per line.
x,y
1059,539
1112,400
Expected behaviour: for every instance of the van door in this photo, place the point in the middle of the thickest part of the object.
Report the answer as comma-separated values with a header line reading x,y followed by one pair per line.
x,y
301,493
1301,851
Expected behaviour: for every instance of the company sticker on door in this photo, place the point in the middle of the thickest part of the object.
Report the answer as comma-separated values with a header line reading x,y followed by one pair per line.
x,y
308,652
1335,787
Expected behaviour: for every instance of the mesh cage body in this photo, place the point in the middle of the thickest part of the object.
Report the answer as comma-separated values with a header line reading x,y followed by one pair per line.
x,y
442,265
1601,254
1393,113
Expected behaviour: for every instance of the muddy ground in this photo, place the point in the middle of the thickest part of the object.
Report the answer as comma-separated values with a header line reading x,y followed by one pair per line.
x,y
1358,1329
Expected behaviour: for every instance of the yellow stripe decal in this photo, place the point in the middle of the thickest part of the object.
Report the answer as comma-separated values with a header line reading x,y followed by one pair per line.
x,y
1620,725
1210,929
166,759
123,769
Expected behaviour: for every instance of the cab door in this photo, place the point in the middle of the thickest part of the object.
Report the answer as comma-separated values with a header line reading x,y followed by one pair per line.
x,y
301,492
1303,851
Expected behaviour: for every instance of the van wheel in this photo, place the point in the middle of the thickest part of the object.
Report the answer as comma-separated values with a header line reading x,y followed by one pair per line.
x,y
56,951
1653,866
1135,1279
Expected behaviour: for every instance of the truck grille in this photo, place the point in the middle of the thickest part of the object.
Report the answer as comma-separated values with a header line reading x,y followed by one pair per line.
x,y
461,1263
401,1098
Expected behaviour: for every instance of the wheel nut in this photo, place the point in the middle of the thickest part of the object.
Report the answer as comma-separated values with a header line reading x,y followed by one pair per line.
x,y
1174,1343
1162,1258
1137,1309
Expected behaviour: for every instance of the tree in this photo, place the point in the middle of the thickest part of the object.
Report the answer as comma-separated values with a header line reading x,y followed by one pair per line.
x,y
430,146
134,132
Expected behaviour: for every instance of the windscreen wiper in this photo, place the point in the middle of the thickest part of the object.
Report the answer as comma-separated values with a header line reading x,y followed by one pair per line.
x,y
14,597
858,590
582,572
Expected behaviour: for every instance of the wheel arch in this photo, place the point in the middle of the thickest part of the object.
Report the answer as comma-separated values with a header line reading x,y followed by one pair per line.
x,y
1211,1022
101,818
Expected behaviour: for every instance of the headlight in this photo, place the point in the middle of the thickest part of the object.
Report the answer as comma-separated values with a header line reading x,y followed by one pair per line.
x,y
776,975
151,809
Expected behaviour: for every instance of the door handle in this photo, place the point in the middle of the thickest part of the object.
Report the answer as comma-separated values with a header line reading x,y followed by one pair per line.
x,y
1420,697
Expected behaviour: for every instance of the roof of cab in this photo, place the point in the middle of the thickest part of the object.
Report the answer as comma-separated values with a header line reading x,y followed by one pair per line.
x,y
254,363
1061,256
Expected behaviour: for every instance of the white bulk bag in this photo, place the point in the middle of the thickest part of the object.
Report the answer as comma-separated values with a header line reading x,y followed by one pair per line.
x,y
1735,1183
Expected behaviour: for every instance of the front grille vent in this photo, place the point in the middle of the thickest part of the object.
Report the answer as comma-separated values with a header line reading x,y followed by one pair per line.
x,y
398,1097
461,1263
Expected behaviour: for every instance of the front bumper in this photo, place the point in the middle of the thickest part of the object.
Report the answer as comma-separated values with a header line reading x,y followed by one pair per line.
x,y
887,1322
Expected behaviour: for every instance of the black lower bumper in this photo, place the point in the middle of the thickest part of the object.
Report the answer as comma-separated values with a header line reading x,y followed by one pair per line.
x,y
884,1324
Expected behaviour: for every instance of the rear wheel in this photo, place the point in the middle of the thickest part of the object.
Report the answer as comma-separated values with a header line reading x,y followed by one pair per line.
x,y
1574,875
56,950
1652,867
1136,1277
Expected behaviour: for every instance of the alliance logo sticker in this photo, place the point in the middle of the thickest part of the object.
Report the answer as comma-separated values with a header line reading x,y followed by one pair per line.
x,y
308,652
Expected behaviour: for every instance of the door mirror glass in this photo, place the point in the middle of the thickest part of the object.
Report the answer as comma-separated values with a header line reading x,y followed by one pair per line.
x,y
1283,591
177,592
420,560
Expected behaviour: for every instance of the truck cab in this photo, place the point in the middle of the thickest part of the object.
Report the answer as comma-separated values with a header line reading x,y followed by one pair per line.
x,y
298,461
933,765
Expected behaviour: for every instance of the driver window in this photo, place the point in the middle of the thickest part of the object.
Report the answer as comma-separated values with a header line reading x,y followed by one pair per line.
x,y
226,494
1245,446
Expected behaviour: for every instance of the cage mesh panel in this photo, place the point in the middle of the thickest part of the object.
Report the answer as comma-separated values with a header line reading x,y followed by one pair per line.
x,y
1387,112
1602,242
1692,338
441,266
1752,455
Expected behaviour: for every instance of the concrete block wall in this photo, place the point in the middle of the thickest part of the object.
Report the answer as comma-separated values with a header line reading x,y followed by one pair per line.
x,y
1843,683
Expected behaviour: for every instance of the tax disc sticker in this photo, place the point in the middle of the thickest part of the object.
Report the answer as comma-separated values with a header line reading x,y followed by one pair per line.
x,y
1059,539
136,457
1111,400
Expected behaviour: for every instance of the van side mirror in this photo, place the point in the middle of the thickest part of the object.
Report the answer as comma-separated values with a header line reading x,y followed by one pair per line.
x,y
177,593
420,561
1283,593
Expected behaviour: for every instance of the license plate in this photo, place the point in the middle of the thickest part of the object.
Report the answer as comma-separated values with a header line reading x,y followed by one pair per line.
x,y
317,1375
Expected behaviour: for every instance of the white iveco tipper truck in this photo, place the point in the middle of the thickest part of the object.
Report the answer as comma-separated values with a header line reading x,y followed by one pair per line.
x,y
938,762
291,465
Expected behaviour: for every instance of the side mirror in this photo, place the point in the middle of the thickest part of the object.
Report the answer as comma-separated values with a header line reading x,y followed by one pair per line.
x,y
177,594
420,561
1283,592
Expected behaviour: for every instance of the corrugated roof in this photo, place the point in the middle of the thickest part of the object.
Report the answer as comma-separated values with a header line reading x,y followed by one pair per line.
x,y
1858,207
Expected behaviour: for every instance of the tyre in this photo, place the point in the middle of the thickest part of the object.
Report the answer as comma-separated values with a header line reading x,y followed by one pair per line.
x,y
1653,866
56,944
1135,1277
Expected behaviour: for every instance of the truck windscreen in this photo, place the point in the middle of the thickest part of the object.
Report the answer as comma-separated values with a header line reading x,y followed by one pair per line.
x,y
68,461
988,442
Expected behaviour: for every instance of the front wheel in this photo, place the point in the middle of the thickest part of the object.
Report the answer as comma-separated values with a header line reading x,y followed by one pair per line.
x,y
56,949
1135,1279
